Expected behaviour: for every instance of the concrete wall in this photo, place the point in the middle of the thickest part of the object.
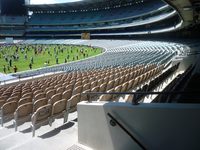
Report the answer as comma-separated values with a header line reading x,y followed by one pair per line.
x,y
157,126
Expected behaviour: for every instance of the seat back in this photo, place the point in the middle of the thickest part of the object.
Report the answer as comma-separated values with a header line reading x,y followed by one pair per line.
x,y
29,94
77,90
103,87
15,98
74,100
69,87
50,93
9,108
67,94
24,100
59,107
107,97
55,98
39,96
60,89
39,103
42,114
24,110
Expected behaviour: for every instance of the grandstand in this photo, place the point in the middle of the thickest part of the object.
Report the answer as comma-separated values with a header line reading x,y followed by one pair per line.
x,y
141,92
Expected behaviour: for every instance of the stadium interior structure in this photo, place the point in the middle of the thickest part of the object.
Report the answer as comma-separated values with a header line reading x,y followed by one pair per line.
x,y
142,92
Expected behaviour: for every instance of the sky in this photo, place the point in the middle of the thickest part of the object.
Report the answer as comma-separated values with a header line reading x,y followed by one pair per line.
x,y
51,1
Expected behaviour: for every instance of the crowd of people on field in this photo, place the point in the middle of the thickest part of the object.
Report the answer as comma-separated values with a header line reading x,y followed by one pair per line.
x,y
30,53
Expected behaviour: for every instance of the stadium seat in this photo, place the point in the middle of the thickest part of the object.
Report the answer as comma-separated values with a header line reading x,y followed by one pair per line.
x,y
55,98
39,103
41,117
22,114
73,101
7,111
50,93
60,109
24,100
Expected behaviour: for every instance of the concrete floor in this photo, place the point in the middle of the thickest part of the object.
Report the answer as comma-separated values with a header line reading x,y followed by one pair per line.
x,y
57,137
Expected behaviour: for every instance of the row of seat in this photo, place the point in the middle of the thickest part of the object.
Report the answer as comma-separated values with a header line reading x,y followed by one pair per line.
x,y
53,93
63,108
131,84
150,86
128,55
174,86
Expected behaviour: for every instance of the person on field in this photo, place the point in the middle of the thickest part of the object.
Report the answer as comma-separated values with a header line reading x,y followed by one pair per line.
x,y
25,56
56,60
4,68
15,69
8,67
10,62
30,66
31,60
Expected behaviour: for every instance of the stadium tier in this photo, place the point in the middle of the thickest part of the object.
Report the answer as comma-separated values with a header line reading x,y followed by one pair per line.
x,y
129,18
13,26
100,16
12,20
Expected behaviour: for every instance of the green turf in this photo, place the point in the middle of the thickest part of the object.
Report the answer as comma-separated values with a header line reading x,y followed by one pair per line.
x,y
48,53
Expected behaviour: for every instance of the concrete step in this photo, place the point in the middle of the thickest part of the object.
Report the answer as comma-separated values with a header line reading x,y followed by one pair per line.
x,y
59,136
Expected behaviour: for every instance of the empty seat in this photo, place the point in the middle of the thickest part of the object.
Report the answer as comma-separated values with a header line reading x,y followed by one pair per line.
x,y
55,98
129,98
15,98
50,93
69,87
110,85
24,100
73,101
60,109
77,90
102,87
30,94
131,84
93,96
22,114
60,89
85,97
124,87
57,86
67,94
16,94
3,100
39,103
117,90
39,96
93,84
107,97
49,88
37,92
7,111
41,117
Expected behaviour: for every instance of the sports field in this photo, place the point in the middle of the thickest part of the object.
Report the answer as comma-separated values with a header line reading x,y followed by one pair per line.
x,y
27,57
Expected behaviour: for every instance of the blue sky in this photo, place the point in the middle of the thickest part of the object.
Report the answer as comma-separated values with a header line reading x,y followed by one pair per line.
x,y
51,1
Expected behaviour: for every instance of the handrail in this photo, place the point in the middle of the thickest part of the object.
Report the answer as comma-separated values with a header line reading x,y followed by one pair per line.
x,y
113,122
135,93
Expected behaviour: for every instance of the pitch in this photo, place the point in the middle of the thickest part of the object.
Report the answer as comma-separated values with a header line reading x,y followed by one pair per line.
x,y
15,58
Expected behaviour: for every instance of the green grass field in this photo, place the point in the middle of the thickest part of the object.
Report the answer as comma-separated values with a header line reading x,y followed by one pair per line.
x,y
43,55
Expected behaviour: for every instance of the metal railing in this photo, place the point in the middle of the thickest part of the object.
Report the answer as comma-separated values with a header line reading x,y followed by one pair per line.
x,y
134,101
114,122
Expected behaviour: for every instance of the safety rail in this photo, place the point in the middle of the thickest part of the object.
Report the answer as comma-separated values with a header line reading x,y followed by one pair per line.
x,y
114,122
135,102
